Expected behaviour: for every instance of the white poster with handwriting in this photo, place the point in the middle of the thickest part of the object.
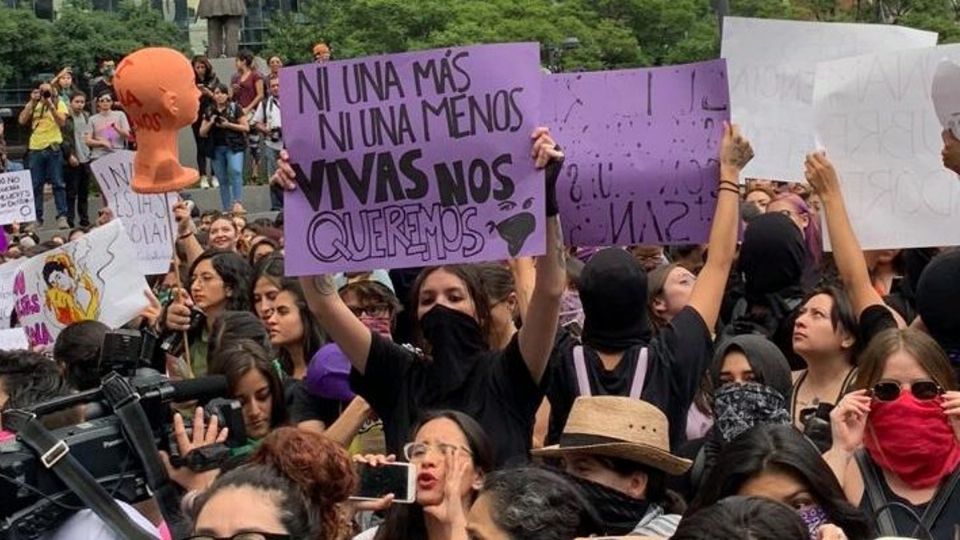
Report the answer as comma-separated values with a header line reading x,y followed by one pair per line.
x,y
147,218
16,198
878,125
95,277
771,65
14,339
8,271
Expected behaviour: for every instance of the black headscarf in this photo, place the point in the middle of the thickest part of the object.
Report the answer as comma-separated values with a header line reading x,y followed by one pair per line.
x,y
613,292
770,368
771,257
938,300
768,363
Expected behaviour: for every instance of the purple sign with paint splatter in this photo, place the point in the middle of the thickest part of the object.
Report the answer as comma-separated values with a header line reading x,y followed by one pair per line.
x,y
642,149
413,159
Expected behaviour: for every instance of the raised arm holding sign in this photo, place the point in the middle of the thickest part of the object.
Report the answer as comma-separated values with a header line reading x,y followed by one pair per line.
x,y
412,159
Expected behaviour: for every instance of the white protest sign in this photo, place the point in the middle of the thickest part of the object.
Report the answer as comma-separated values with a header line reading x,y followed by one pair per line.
x,y
147,218
95,277
946,95
8,271
877,123
771,65
16,198
14,339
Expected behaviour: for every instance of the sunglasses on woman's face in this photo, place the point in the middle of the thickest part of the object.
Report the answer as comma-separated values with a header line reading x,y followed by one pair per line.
x,y
922,390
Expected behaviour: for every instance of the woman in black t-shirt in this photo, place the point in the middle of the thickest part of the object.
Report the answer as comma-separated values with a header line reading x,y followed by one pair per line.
x,y
616,333
456,369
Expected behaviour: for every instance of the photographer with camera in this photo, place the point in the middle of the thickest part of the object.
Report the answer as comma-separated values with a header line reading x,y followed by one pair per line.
x,y
266,120
45,114
28,379
225,124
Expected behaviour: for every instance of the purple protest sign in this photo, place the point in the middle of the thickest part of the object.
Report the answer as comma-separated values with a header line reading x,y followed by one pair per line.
x,y
413,159
641,152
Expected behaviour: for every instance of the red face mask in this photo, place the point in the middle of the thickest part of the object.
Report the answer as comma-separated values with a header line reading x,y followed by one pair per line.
x,y
378,325
913,439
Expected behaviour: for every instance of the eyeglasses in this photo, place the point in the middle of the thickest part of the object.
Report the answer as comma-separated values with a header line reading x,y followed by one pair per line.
x,y
205,279
372,310
105,100
415,452
922,390
244,536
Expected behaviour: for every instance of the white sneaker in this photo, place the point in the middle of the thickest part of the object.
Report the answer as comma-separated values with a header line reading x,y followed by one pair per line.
x,y
204,182
214,182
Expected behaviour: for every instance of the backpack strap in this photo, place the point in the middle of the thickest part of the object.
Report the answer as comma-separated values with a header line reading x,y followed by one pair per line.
x,y
580,365
697,469
640,375
939,501
873,490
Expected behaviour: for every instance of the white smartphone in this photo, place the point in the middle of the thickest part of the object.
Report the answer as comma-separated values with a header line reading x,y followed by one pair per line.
x,y
398,479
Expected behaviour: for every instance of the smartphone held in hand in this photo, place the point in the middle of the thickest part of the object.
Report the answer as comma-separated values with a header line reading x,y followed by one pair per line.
x,y
377,482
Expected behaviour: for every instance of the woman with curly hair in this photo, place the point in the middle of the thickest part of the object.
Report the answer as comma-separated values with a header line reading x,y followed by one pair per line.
x,y
292,487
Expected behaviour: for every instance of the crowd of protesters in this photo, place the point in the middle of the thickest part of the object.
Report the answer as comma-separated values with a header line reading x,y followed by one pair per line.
x,y
238,129
751,387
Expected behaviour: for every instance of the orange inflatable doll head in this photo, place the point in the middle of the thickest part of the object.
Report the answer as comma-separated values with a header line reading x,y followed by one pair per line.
x,y
157,90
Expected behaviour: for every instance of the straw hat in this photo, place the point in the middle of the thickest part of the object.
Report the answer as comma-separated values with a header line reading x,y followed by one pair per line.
x,y
618,427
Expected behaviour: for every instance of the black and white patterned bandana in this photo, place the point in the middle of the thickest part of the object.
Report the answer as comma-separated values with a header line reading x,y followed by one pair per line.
x,y
739,407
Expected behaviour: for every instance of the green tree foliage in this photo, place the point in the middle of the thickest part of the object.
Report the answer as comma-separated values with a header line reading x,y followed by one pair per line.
x,y
611,33
29,45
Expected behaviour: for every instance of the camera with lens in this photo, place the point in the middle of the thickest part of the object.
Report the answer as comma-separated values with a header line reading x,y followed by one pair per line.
x,y
229,414
276,134
46,94
219,120
816,425
171,341
118,451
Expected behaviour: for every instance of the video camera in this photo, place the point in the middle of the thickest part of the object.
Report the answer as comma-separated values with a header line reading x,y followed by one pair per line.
x,y
33,498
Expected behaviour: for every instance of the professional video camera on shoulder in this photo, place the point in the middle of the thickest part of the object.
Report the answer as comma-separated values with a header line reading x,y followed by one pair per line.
x,y
47,475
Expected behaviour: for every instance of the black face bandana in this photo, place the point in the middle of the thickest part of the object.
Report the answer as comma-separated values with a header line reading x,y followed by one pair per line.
x,y
456,344
613,292
771,257
619,513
